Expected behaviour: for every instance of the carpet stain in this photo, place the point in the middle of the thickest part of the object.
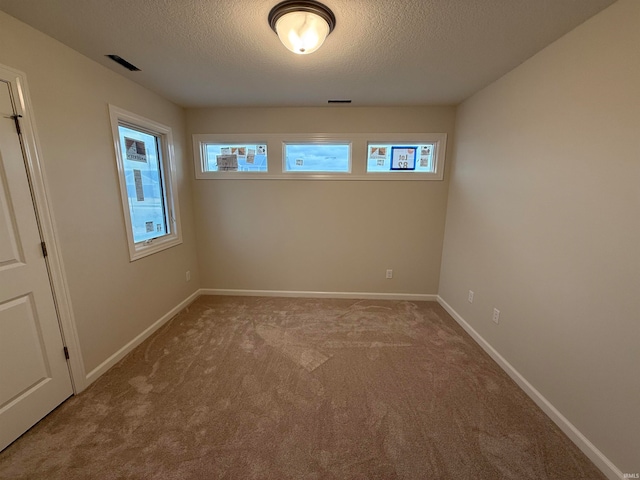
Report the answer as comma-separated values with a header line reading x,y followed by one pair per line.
x,y
141,385
295,349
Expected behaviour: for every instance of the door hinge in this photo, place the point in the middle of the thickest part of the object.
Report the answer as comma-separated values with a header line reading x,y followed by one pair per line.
x,y
15,119
66,353
44,248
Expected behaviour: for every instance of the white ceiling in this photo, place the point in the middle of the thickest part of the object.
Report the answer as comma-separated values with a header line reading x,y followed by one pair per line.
x,y
382,52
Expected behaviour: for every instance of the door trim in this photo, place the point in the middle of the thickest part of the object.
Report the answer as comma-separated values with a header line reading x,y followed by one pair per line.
x,y
46,222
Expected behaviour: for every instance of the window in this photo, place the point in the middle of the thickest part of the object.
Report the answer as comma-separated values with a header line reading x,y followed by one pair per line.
x,y
231,156
389,157
228,157
406,156
144,154
320,156
317,157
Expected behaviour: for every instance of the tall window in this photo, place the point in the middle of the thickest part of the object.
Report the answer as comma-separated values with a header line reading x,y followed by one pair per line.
x,y
144,154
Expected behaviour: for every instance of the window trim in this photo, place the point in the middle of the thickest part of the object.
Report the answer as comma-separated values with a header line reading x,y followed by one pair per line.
x,y
200,156
318,139
439,141
358,152
137,250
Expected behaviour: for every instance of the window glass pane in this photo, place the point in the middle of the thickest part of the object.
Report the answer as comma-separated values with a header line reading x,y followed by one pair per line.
x,y
143,177
317,157
227,157
379,156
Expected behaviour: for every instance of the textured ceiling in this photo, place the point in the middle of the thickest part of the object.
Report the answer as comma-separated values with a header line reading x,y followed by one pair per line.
x,y
382,52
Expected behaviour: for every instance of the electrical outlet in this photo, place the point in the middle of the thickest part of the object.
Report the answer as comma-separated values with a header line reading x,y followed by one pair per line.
x,y
188,276
496,315
389,273
470,296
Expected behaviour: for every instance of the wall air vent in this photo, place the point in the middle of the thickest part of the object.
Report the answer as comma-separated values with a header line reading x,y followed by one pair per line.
x,y
338,101
123,62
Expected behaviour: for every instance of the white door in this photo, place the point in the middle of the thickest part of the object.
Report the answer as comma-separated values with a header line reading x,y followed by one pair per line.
x,y
34,377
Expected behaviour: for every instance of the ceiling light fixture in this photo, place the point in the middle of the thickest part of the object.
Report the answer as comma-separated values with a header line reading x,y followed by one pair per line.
x,y
302,25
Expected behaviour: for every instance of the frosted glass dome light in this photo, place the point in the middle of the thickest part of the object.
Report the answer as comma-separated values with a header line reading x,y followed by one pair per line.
x,y
302,26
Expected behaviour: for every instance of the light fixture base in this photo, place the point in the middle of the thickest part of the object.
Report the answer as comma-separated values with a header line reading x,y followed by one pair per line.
x,y
310,6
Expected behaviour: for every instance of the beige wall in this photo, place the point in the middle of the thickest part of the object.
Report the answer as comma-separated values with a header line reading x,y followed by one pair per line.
x,y
113,299
312,235
543,223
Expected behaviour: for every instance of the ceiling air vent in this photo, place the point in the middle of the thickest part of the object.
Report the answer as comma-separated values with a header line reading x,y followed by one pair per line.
x,y
338,101
123,62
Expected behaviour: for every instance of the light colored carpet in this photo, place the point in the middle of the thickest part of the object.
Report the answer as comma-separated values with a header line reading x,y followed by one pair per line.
x,y
278,388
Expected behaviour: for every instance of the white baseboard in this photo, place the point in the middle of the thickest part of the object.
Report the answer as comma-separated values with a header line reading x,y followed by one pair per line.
x,y
589,449
306,294
120,354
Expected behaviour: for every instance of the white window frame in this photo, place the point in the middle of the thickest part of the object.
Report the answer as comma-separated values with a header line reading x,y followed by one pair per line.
x,y
358,155
142,249
200,142
439,141
316,139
